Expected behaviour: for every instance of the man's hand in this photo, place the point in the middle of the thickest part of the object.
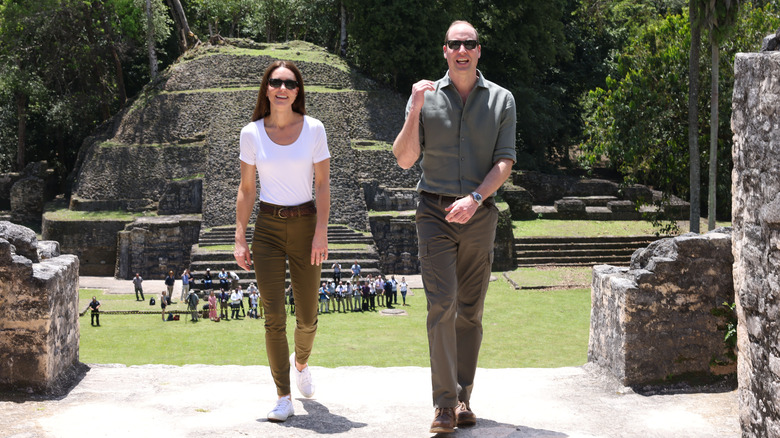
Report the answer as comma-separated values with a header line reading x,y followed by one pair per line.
x,y
461,211
418,94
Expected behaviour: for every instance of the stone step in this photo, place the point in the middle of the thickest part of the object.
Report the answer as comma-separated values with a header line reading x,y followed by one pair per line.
x,y
578,251
340,255
573,261
598,239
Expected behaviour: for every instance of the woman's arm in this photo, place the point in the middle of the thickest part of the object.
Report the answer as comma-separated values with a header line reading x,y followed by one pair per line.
x,y
319,245
245,201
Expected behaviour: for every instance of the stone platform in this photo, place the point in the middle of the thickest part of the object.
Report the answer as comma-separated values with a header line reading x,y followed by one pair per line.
x,y
232,401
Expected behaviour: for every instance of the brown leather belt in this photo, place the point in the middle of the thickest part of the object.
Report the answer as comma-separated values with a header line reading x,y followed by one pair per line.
x,y
445,199
287,211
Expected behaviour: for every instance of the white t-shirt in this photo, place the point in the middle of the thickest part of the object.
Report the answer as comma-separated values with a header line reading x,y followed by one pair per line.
x,y
286,172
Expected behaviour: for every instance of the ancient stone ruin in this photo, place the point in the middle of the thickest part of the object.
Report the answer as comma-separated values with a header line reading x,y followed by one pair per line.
x,y
39,331
662,319
756,220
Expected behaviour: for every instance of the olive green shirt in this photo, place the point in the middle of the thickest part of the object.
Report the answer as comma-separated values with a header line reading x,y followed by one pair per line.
x,y
461,143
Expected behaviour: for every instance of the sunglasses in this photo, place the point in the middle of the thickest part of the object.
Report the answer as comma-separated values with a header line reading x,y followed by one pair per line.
x,y
455,44
288,83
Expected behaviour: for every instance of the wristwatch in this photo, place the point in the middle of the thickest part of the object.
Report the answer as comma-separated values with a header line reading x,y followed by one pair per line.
x,y
476,197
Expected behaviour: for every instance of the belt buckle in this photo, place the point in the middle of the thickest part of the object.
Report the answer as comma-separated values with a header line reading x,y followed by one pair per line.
x,y
279,213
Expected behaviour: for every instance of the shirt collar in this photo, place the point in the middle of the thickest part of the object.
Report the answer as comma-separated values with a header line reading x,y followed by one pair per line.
x,y
446,81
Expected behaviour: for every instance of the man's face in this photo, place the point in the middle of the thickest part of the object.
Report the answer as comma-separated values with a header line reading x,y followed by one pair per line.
x,y
462,59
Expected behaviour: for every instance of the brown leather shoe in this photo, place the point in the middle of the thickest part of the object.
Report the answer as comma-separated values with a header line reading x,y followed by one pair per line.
x,y
444,421
464,415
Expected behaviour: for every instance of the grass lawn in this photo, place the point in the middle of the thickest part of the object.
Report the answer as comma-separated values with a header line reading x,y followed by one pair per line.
x,y
544,276
521,329
569,228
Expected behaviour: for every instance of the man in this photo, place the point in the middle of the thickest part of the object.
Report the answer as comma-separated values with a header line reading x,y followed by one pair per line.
x,y
389,294
336,272
355,271
95,306
236,298
192,305
137,280
464,128
185,284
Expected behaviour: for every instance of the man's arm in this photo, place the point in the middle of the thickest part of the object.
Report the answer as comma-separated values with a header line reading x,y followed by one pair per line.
x,y
406,146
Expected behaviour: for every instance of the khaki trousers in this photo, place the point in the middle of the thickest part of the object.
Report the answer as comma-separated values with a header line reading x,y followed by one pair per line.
x,y
455,261
276,239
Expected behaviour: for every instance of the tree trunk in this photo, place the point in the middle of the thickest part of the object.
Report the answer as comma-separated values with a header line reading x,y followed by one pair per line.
x,y
693,117
150,42
21,133
711,210
120,77
343,38
187,39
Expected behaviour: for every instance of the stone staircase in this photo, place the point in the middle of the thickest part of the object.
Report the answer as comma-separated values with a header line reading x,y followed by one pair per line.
x,y
345,246
578,251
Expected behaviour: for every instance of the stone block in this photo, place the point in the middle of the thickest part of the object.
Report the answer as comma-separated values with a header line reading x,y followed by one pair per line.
x,y
653,323
755,123
570,208
39,332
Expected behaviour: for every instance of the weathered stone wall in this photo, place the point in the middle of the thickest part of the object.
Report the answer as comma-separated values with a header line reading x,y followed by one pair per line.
x,y
396,242
152,246
135,177
654,322
182,197
756,219
39,331
94,242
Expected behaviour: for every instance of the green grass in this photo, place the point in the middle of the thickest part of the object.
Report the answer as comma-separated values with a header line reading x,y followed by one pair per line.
x,y
293,51
254,88
371,145
521,329
75,215
569,228
552,276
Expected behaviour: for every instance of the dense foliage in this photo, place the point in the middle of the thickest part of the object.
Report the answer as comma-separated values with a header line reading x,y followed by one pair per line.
x,y
638,120
609,75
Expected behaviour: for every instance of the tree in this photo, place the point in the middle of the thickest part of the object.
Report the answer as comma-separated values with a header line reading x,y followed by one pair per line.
x,y
719,17
693,117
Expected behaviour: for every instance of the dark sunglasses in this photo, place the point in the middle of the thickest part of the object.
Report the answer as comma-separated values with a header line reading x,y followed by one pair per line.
x,y
288,83
455,44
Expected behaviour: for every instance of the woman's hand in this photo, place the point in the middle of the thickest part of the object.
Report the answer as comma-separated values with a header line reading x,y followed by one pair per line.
x,y
242,255
319,247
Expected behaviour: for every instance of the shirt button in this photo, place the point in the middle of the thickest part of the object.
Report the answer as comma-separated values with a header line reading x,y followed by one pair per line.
x,y
462,158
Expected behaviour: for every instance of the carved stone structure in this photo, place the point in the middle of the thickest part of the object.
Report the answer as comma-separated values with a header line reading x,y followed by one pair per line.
x,y
756,219
657,320
170,237
94,242
39,331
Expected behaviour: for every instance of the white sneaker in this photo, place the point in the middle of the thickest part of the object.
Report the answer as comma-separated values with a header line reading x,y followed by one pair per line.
x,y
282,410
302,379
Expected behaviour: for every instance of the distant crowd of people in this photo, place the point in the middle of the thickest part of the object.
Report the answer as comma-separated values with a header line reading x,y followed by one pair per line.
x,y
361,294
354,294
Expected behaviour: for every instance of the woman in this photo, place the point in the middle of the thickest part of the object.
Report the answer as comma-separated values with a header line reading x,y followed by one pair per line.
x,y
163,304
212,306
287,150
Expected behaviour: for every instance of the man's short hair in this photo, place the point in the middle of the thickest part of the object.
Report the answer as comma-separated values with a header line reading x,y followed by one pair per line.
x,y
447,34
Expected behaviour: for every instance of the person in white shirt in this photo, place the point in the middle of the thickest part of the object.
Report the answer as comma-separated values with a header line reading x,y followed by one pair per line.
x,y
404,288
235,303
288,152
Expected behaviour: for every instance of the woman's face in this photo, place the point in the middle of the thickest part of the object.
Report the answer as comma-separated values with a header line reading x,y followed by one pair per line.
x,y
282,96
